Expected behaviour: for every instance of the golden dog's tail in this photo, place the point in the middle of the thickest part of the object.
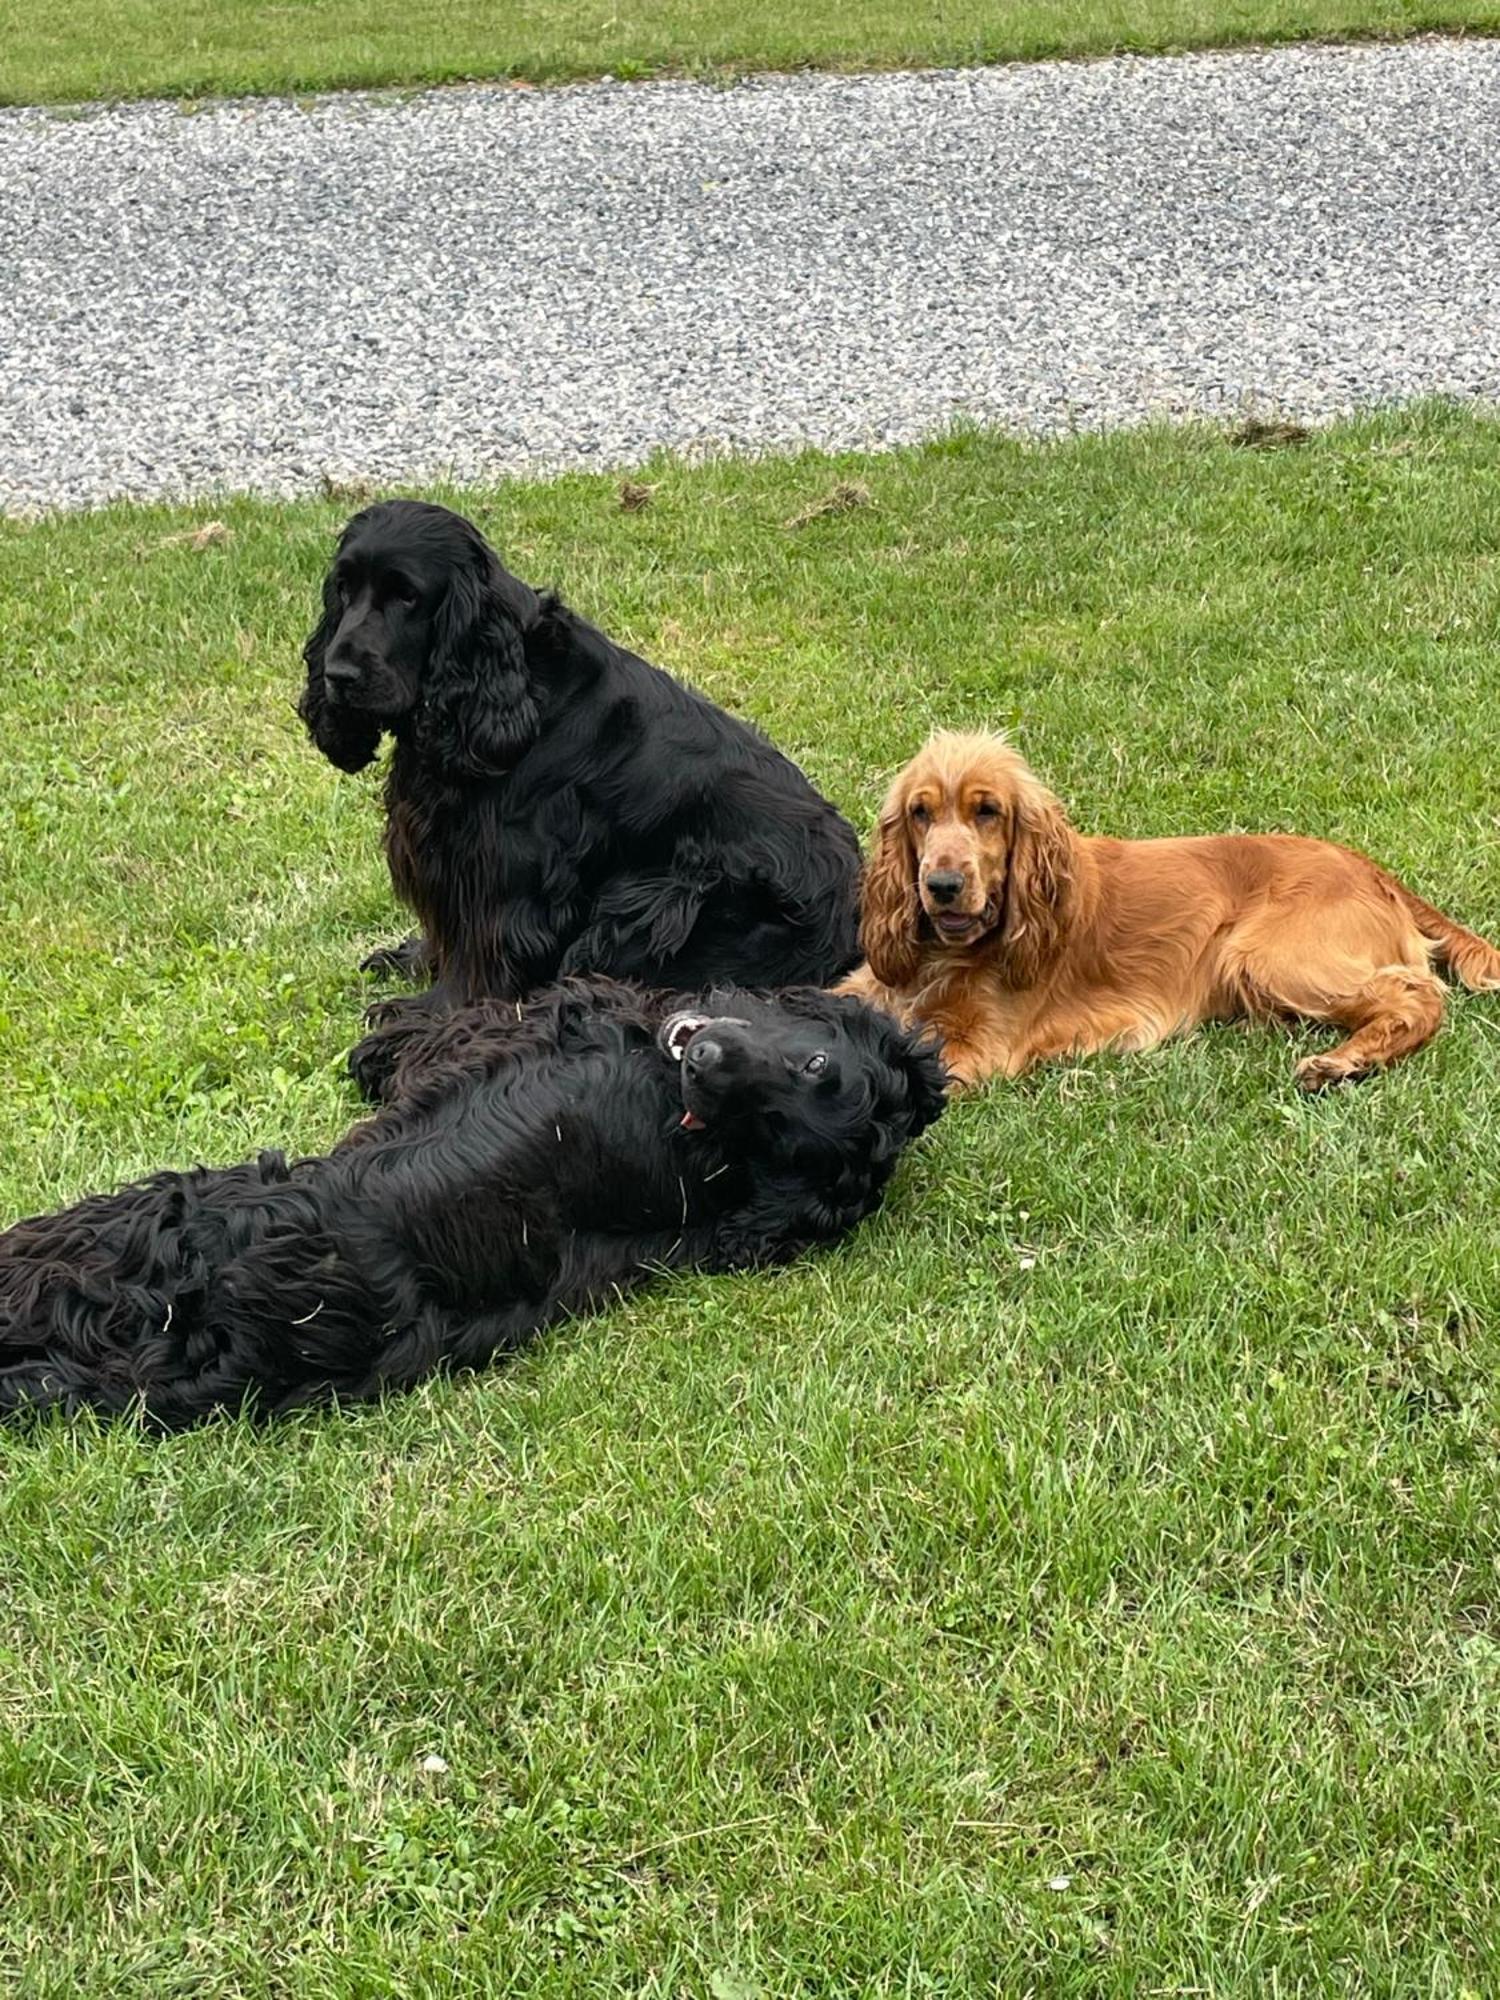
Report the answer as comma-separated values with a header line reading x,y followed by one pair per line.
x,y
1472,960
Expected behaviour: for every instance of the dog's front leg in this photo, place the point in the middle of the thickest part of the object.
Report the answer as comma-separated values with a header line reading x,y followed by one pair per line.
x,y
413,958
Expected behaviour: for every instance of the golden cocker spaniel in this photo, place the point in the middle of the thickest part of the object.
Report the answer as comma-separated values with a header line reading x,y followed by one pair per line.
x,y
988,918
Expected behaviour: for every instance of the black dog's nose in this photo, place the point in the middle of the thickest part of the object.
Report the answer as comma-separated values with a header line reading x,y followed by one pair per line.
x,y
703,1053
341,679
944,885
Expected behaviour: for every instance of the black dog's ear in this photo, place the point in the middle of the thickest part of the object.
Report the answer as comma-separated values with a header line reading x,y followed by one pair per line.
x,y
921,1058
345,737
915,1056
480,715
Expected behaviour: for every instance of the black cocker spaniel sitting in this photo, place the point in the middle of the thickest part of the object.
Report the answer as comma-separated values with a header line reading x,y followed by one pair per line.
x,y
554,805
529,1162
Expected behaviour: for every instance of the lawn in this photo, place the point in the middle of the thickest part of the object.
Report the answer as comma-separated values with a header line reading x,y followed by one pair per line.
x,y
1083,1582
192,48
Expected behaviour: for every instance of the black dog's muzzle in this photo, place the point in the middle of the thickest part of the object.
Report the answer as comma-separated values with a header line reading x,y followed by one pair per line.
x,y
701,1044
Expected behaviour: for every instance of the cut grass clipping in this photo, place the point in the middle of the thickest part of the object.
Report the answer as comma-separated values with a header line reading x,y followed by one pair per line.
x,y
1083,1582
197,48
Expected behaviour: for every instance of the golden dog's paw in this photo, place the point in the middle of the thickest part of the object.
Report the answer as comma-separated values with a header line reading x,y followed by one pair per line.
x,y
1322,1072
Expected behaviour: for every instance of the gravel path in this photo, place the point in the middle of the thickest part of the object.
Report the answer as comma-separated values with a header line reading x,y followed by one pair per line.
x,y
481,279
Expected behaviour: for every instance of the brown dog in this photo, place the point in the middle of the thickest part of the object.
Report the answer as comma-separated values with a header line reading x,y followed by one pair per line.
x,y
988,918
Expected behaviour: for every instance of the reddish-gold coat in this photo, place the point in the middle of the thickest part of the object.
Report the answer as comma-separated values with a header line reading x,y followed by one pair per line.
x,y
1060,943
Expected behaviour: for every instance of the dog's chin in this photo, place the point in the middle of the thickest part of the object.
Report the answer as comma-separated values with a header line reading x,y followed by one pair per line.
x,y
959,929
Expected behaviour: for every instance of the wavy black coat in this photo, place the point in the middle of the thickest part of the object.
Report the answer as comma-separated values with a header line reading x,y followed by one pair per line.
x,y
530,1162
554,804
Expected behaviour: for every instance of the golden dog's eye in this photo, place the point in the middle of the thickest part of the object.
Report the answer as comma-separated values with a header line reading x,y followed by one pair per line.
x,y
987,809
920,815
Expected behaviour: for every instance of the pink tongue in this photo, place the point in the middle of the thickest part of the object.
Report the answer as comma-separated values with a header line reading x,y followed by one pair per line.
x,y
691,1122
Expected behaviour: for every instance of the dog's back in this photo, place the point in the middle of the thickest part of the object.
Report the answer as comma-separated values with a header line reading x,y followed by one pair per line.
x,y
700,852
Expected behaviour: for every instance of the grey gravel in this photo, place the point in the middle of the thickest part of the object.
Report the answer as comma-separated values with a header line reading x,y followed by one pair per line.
x,y
471,281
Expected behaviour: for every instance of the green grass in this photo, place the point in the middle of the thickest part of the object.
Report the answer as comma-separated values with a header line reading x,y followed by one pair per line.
x,y
193,48
1119,1507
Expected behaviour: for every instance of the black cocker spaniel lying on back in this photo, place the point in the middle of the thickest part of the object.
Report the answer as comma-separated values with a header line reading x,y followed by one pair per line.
x,y
554,805
529,1162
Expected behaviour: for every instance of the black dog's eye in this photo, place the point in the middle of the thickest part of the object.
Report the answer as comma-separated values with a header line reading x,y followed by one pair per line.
x,y
815,1065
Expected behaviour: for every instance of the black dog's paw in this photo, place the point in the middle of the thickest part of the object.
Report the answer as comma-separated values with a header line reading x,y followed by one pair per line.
x,y
400,1027
372,1064
411,959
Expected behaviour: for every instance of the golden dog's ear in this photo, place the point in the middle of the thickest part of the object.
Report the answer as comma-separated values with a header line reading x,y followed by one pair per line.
x,y
1038,886
888,908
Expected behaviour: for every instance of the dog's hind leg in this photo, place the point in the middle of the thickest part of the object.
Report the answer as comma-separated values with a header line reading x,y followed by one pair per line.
x,y
1334,945
639,929
1392,1015
1389,1011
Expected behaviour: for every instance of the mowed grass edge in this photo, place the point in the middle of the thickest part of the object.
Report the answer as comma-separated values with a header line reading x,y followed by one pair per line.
x,y
1082,1582
146,48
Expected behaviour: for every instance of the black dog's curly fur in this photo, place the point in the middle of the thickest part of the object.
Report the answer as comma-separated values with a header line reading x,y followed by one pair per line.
x,y
554,805
529,1162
